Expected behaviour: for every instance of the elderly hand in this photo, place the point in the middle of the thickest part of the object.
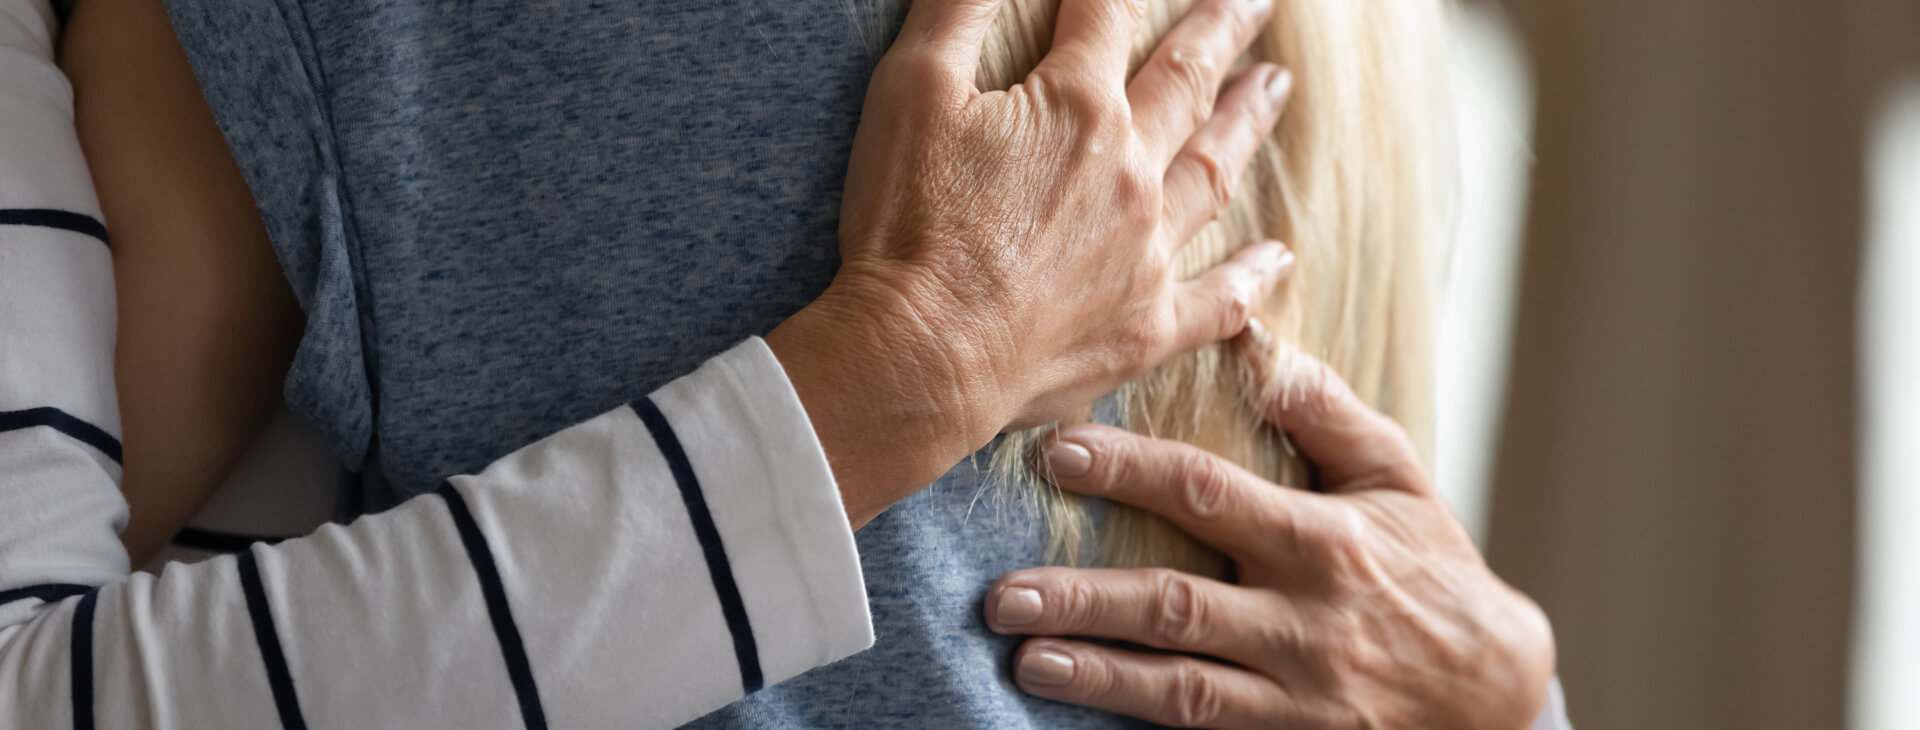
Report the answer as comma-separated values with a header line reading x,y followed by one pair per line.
x,y
1007,255
1363,607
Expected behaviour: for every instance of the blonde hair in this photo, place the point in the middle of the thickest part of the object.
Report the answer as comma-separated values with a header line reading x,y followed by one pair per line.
x,y
1352,180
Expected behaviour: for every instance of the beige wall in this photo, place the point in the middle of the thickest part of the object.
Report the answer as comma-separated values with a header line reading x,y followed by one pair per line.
x,y
1677,477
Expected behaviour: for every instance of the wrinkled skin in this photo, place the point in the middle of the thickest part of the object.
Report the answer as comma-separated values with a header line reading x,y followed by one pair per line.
x,y
1007,255
1006,252
1365,606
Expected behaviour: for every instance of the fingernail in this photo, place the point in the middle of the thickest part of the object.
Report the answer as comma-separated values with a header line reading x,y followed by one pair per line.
x,y
1068,459
1276,259
1257,337
1045,668
1281,85
1257,348
1284,262
1018,607
1255,345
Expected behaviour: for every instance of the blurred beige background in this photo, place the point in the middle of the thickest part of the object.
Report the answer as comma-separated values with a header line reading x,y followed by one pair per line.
x,y
1675,341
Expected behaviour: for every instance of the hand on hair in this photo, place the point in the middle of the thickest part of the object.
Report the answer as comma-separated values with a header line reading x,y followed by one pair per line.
x,y
1007,255
1363,607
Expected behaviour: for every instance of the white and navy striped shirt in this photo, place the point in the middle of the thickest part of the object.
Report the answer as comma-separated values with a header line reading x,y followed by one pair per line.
x,y
637,570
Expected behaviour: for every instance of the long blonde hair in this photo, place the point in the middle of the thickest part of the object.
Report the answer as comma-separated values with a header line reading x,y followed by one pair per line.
x,y
1353,180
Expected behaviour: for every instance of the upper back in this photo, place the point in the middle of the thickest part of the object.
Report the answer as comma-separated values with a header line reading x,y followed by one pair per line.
x,y
504,217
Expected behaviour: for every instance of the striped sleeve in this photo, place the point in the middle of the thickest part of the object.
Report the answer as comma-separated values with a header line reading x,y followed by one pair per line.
x,y
637,570
1553,715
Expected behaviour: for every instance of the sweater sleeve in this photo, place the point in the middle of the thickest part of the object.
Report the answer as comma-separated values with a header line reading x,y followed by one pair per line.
x,y
637,570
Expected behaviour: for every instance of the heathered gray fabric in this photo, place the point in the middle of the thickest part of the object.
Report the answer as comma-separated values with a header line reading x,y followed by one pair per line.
x,y
504,217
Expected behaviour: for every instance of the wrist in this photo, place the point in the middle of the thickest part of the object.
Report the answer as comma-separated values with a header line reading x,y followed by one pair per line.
x,y
894,396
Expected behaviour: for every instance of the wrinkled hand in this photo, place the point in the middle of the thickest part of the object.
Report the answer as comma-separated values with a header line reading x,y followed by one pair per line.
x,y
1011,251
1363,607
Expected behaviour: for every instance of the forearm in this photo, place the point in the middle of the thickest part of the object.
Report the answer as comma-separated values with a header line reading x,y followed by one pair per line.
x,y
207,321
575,579
640,569
891,401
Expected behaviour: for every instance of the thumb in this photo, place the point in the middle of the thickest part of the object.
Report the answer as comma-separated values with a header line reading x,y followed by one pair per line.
x,y
1345,438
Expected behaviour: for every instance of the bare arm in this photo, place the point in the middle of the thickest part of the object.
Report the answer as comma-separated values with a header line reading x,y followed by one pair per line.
x,y
598,577
208,327
208,324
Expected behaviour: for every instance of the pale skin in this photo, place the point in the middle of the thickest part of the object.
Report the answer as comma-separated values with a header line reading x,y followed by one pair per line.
x,y
208,324
1007,254
1363,606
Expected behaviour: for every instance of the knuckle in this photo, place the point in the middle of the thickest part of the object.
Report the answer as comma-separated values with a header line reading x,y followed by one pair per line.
x,y
1096,677
1079,604
1340,540
1109,109
1137,194
1207,487
1342,642
1117,461
1278,636
1198,77
1363,657
1348,533
1241,19
1229,21
1194,698
1178,613
1138,341
1092,105
1234,311
1215,173
1313,535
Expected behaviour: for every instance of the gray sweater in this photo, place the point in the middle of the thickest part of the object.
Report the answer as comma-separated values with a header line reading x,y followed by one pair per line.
x,y
504,217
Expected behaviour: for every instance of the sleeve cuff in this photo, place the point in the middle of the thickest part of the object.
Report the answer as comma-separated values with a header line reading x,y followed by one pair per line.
x,y
777,508
1554,715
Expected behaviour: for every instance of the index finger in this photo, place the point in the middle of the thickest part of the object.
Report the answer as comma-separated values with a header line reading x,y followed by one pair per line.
x,y
1234,510
948,34
1346,439
1174,93
1096,36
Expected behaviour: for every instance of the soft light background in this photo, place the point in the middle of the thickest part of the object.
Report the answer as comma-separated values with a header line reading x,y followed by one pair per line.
x,y
1886,668
1679,356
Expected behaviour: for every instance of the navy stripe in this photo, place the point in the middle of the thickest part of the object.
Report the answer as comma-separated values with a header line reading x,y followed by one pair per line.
x,y
519,670
63,422
49,218
279,679
745,649
49,593
80,660
217,541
